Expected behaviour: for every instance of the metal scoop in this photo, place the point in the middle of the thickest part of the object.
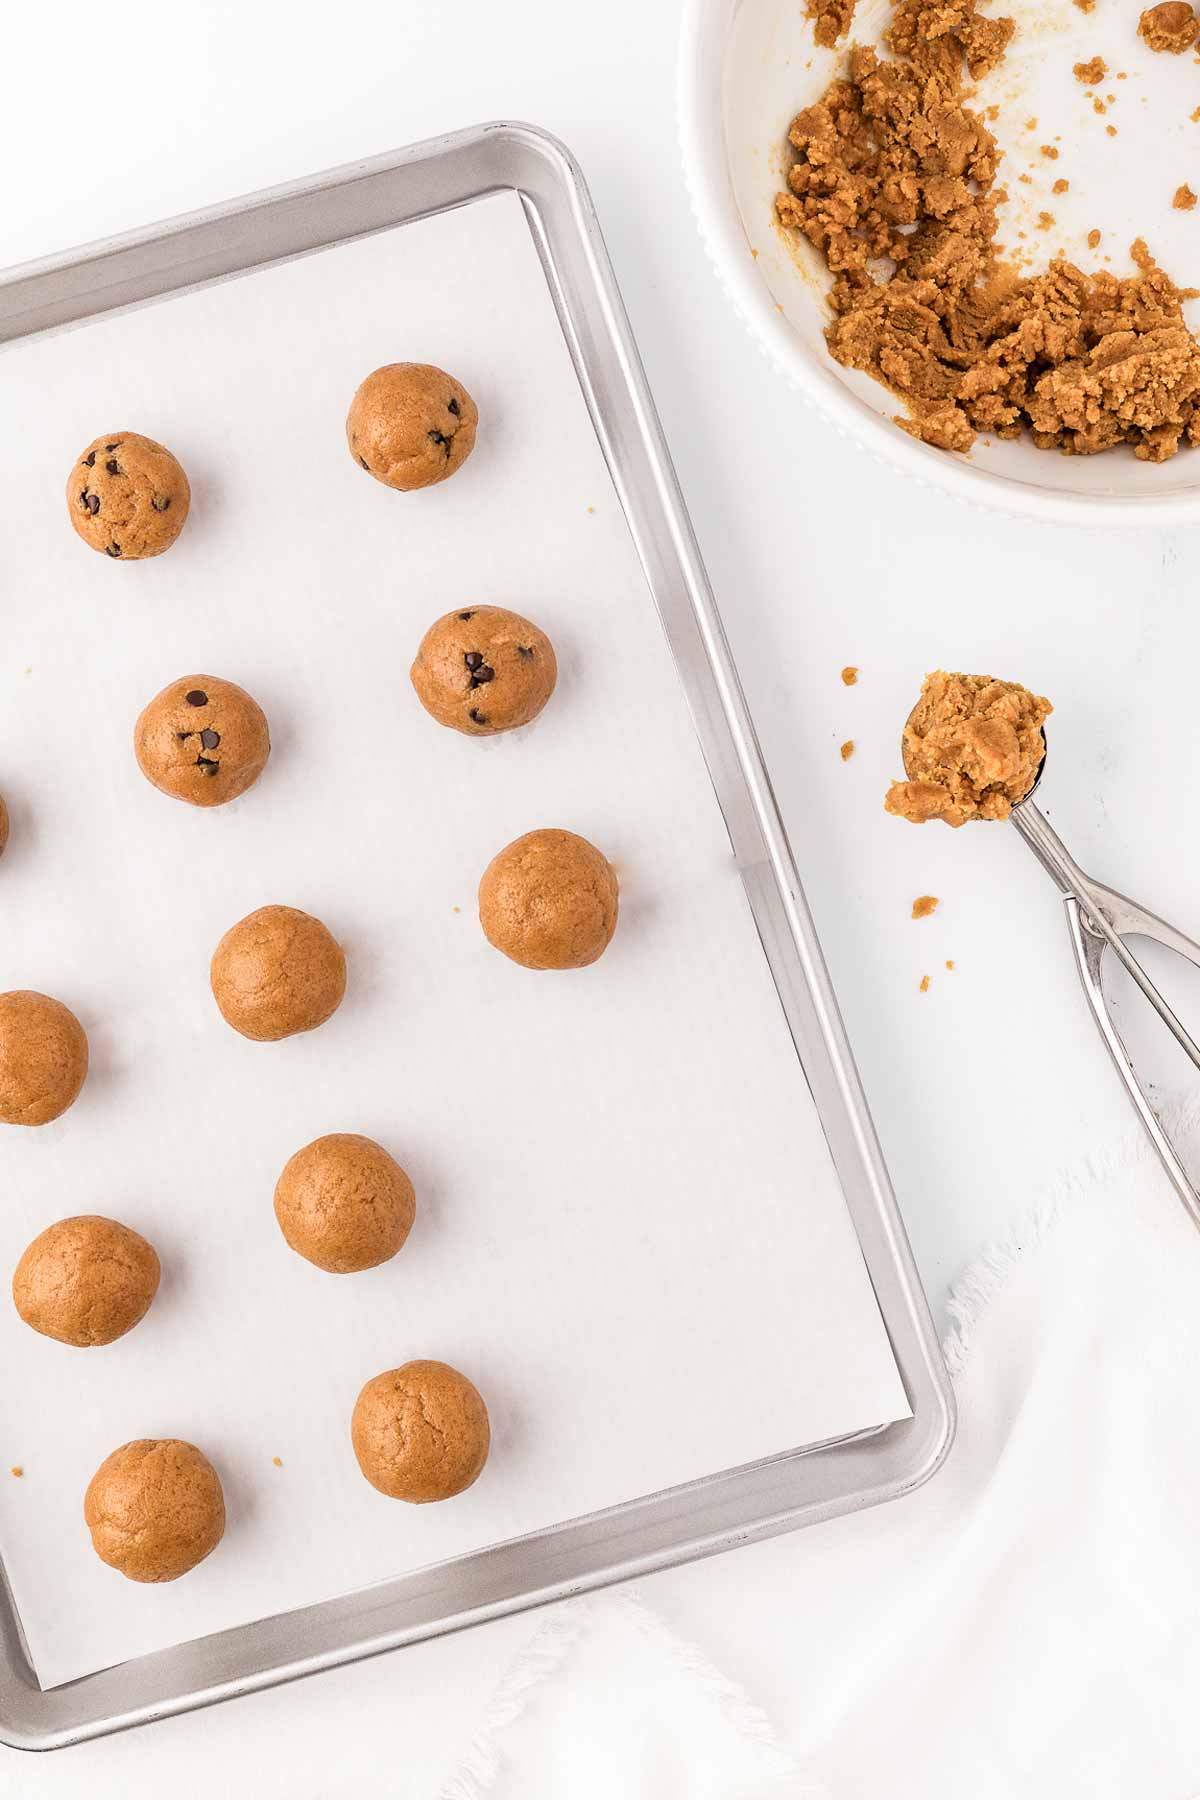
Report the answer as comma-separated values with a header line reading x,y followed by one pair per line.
x,y
1100,919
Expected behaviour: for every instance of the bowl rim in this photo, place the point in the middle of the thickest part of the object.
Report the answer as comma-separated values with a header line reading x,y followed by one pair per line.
x,y
701,138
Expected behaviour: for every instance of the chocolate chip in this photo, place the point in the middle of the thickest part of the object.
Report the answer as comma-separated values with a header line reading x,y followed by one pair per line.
x,y
465,616
115,446
113,466
452,406
93,504
440,438
161,502
183,736
366,465
524,650
473,658
210,738
112,549
478,717
197,697
89,461
207,765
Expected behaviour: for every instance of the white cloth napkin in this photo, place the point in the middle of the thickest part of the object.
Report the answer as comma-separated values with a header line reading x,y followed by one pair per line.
x,y
1028,1624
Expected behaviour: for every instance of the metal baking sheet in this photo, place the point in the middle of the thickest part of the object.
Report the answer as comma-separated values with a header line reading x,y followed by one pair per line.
x,y
706,1513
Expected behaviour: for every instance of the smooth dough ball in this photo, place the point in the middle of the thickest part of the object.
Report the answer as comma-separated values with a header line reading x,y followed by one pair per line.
x,y
344,1203
85,1281
276,972
202,740
420,1432
484,670
155,1509
549,901
127,496
43,1058
411,425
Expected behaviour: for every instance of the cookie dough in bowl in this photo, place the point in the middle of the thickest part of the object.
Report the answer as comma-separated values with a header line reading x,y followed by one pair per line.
x,y
86,1281
421,1432
43,1058
748,68
155,1508
411,425
202,740
549,900
344,1204
127,496
483,670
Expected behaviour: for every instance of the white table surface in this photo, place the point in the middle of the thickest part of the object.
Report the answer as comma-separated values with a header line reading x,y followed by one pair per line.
x,y
979,1088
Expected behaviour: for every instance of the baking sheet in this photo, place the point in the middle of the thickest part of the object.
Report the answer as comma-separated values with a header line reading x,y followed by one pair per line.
x,y
629,1232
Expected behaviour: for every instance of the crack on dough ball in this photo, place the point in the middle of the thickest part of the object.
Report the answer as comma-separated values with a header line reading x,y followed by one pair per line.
x,y
85,1281
155,1508
549,900
344,1204
421,1432
277,972
411,425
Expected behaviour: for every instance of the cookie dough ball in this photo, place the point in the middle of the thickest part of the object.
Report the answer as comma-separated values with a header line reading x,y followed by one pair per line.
x,y
43,1058
155,1509
420,1432
484,670
127,496
85,1281
202,740
276,972
344,1204
549,901
411,425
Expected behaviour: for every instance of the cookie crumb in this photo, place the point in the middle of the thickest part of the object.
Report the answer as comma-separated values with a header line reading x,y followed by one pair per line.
x,y
924,984
832,20
1171,27
1111,130
278,1461
1045,221
17,1470
1093,238
1091,72
925,905
591,509
850,675
1086,5
1184,198
1050,151
847,749
1031,124
1099,108
456,909
1060,186
950,962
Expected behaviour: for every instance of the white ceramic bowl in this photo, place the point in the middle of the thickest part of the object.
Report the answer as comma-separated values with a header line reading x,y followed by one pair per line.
x,y
747,66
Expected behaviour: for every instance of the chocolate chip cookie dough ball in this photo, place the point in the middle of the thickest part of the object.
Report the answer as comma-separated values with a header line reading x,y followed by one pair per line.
x,y
85,1281
276,972
420,1432
127,496
344,1204
43,1058
411,425
155,1509
202,740
484,670
549,901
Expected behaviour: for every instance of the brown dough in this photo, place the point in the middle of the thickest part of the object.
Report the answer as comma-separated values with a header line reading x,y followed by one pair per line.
x,y
894,184
972,749
831,20
1171,27
43,1058
344,1204
127,496
155,1509
276,972
484,670
202,740
420,1432
85,1281
411,425
549,901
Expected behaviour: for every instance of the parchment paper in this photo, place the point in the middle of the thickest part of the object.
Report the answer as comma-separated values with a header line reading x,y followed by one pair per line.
x,y
629,1233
